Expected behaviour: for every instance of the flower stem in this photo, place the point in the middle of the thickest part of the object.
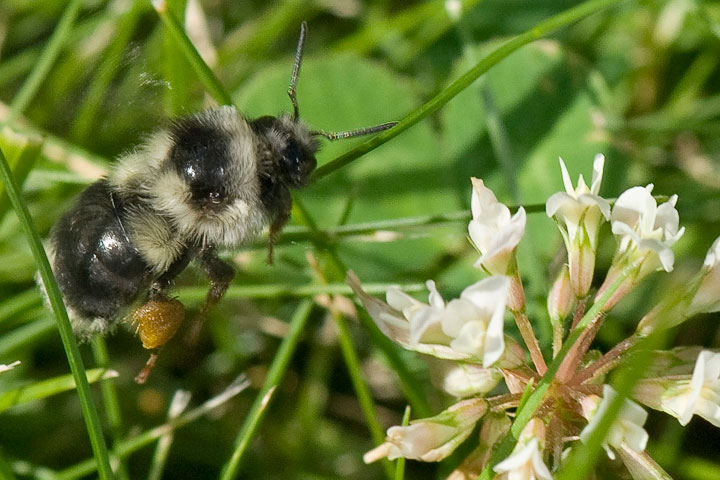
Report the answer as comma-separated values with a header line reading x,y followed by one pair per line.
x,y
579,312
607,362
526,331
572,360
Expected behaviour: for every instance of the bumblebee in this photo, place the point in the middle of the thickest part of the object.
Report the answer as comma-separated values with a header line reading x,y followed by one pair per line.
x,y
211,180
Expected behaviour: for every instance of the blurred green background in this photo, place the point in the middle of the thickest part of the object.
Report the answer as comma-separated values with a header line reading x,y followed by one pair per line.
x,y
639,82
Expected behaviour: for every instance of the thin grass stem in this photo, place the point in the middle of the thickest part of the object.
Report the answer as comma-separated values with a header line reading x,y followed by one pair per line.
x,y
92,421
434,104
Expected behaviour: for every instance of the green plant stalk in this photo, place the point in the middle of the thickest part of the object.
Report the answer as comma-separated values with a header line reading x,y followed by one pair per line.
x,y
280,290
45,62
524,414
362,391
274,377
175,66
411,389
92,420
110,399
540,30
352,361
400,464
176,31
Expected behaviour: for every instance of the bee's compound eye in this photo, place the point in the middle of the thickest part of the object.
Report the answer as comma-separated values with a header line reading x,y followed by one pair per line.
x,y
158,320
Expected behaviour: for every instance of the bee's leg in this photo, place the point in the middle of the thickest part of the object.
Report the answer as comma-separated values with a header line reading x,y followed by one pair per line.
x,y
275,229
282,216
160,286
159,318
220,275
142,377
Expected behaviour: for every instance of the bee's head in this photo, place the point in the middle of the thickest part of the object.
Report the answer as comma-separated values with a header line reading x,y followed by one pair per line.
x,y
289,149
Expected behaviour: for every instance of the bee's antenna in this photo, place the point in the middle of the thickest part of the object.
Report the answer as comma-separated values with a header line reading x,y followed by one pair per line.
x,y
296,70
354,133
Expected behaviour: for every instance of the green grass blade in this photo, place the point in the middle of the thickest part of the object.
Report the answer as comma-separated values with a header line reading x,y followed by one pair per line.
x,y
47,388
19,303
293,291
274,377
25,335
22,151
69,343
207,77
45,62
111,401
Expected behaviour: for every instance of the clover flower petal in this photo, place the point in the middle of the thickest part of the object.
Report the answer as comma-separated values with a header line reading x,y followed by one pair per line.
x,y
493,231
466,328
579,211
431,439
683,396
627,428
526,460
707,296
646,230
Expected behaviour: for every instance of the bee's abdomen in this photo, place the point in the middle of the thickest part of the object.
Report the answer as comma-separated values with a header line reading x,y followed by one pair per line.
x,y
99,271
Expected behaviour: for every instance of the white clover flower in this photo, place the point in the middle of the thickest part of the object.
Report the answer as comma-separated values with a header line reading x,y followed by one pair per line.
x,y
5,368
701,395
467,379
466,328
493,231
526,462
627,429
431,439
707,297
579,212
645,230
683,396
